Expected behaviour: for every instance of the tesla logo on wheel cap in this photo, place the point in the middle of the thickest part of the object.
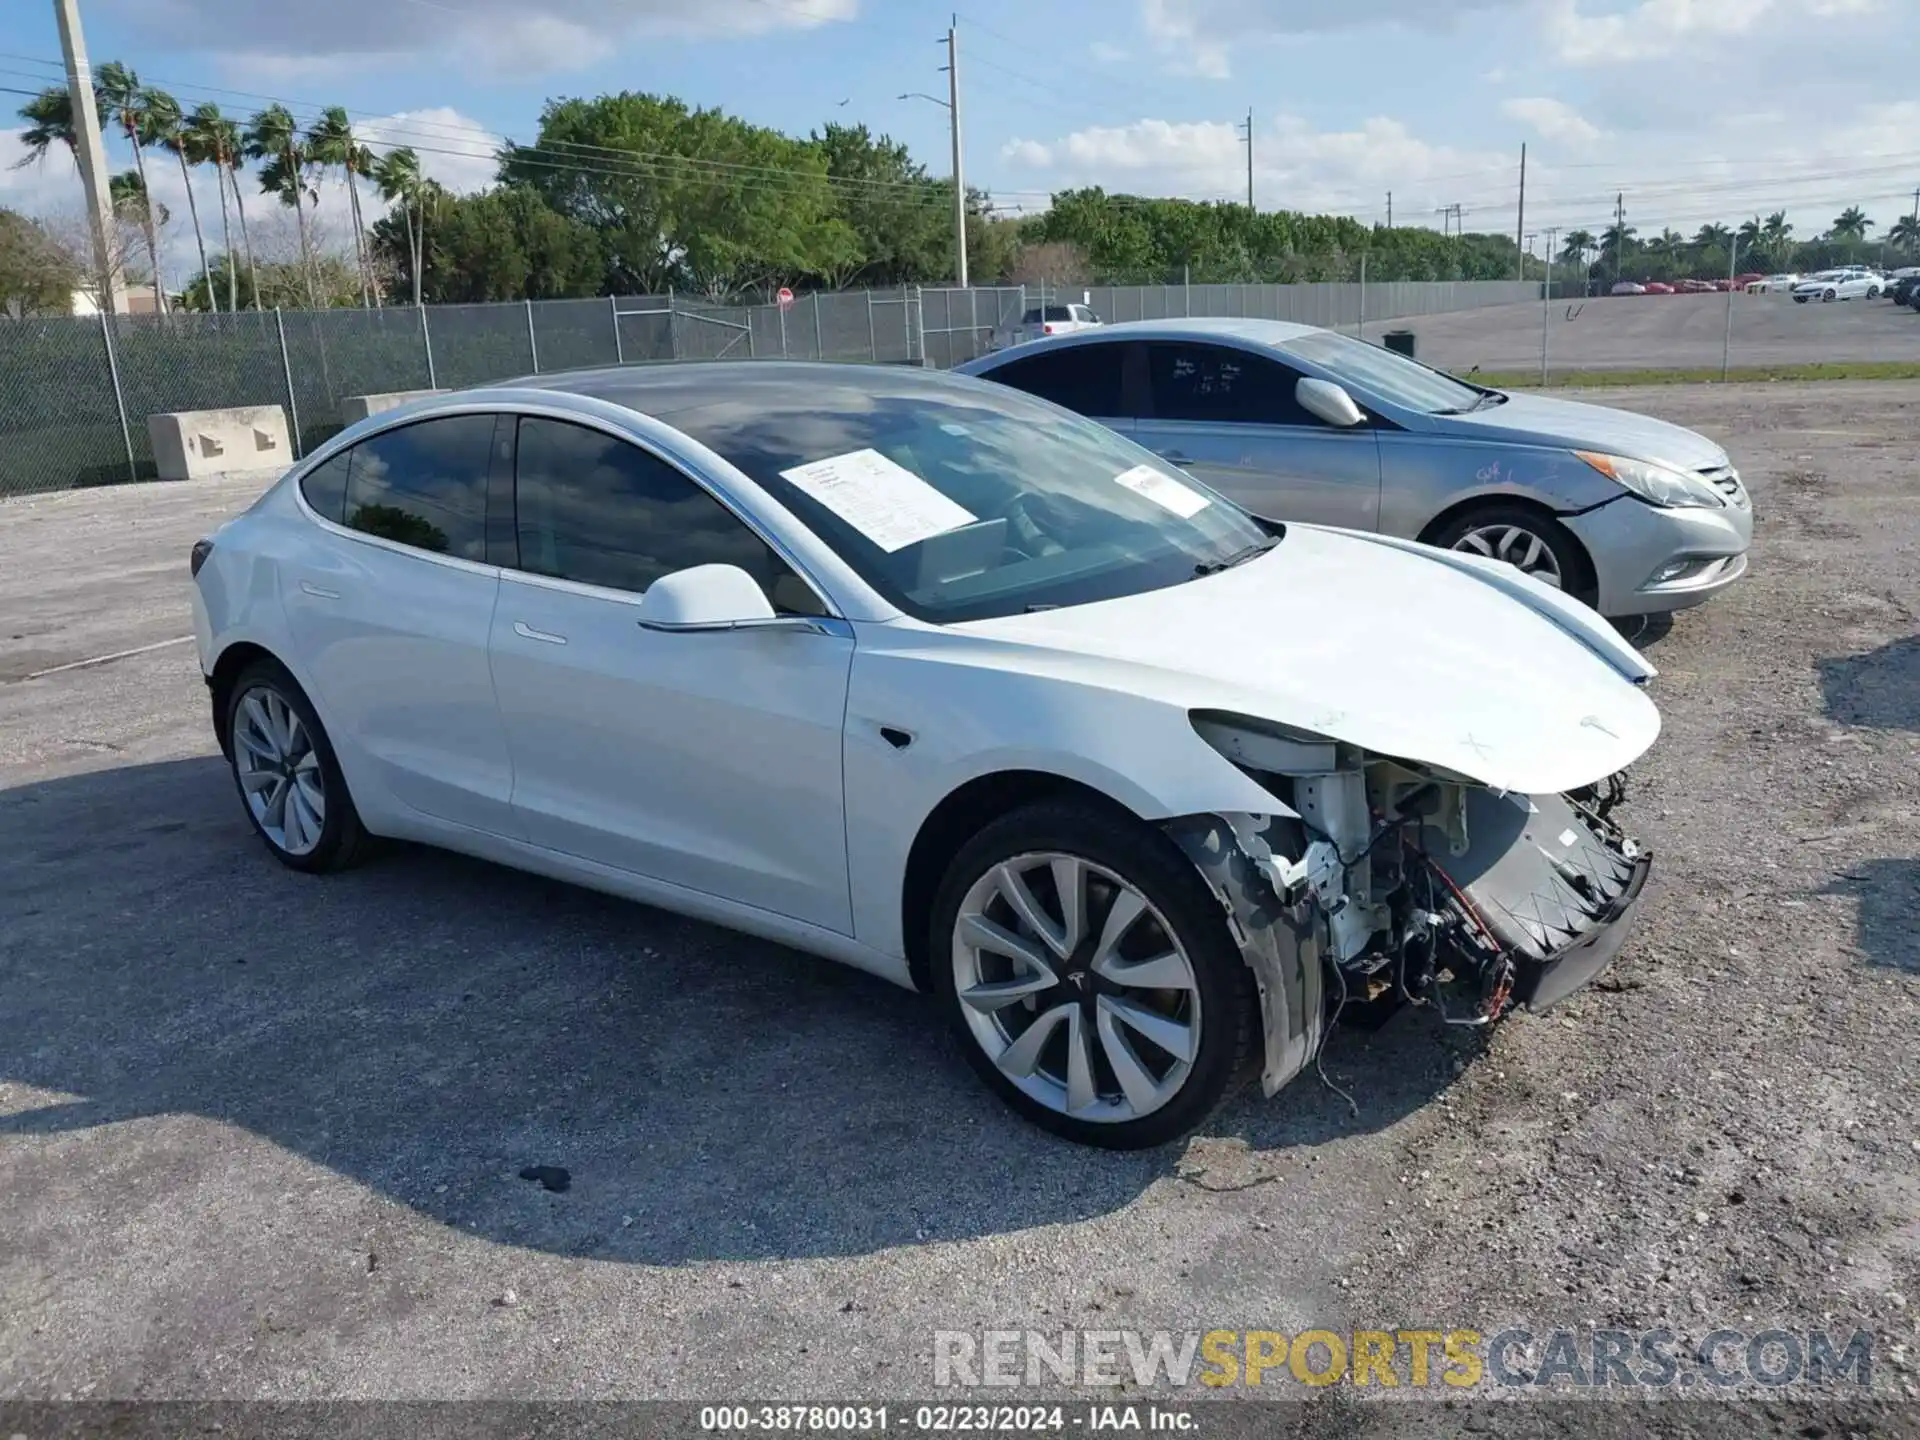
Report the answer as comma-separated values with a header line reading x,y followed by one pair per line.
x,y
1079,979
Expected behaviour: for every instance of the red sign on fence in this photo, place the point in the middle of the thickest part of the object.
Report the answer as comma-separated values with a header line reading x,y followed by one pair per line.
x,y
785,297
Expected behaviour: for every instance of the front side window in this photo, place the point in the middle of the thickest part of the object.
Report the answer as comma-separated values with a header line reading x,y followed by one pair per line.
x,y
1083,378
425,485
1221,384
964,502
599,510
1387,374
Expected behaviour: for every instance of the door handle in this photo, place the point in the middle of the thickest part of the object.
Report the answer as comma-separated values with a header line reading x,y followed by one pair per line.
x,y
527,632
319,592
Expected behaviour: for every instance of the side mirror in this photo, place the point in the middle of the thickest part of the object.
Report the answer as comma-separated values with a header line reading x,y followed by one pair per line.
x,y
705,597
1329,402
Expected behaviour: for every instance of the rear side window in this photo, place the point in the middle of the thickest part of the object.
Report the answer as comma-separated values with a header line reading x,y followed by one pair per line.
x,y
325,487
1214,382
594,508
425,485
1083,378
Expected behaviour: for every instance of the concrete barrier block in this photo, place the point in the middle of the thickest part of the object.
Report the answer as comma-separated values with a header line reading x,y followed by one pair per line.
x,y
189,444
358,407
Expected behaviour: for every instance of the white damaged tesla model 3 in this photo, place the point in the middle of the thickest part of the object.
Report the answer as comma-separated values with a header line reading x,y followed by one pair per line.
x,y
930,677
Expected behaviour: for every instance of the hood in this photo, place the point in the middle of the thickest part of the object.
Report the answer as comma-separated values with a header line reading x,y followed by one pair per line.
x,y
1392,647
1549,420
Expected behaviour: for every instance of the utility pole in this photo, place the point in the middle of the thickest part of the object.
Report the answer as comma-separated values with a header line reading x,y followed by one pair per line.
x,y
1521,224
1249,140
1389,209
89,152
1546,302
1619,232
959,174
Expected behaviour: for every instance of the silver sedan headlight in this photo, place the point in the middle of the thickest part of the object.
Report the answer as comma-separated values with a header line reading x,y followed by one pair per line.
x,y
1657,484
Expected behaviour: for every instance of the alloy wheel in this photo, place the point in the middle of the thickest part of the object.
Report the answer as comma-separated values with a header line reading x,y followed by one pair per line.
x,y
279,770
1076,987
1519,547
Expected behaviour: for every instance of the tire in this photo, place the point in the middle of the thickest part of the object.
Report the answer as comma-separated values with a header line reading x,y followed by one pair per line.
x,y
1800,299
1829,295
275,736
1133,1093
1505,531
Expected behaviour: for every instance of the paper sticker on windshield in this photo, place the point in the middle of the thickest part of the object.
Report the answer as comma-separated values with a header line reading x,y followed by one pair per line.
x,y
1165,491
887,503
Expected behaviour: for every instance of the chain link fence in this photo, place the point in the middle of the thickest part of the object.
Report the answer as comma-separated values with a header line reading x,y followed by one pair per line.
x,y
75,392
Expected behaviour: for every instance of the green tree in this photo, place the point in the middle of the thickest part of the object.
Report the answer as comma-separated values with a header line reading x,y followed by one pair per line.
x,y
901,218
130,103
1851,224
397,174
1905,234
1776,238
1574,249
37,275
690,197
506,244
273,136
168,126
331,145
215,140
49,117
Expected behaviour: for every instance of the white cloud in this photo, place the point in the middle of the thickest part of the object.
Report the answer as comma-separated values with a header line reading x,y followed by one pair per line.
x,y
1673,29
281,41
1554,120
1107,53
1199,37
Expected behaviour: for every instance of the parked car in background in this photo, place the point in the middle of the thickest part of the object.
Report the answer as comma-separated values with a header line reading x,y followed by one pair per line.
x,y
1628,287
928,677
1658,287
1041,321
1773,284
1747,282
1901,283
1629,514
1826,285
1696,287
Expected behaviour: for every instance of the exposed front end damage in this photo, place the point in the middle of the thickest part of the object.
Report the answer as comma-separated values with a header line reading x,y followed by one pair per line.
x,y
1377,881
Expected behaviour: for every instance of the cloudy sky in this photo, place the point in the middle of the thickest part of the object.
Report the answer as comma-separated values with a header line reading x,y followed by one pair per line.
x,y
1697,109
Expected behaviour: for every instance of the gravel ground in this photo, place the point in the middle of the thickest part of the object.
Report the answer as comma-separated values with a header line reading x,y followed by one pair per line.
x,y
1664,331
261,1135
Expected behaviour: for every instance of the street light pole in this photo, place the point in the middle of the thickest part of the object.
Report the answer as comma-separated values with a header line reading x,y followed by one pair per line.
x,y
88,150
959,175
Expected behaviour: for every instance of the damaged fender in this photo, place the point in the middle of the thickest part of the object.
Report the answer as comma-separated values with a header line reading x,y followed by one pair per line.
x,y
1280,942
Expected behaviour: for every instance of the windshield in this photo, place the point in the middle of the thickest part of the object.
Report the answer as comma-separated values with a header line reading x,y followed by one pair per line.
x,y
962,504
1384,373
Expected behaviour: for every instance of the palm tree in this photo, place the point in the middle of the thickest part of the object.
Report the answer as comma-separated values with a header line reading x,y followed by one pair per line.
x,y
331,144
215,141
1777,235
1752,236
1712,237
1672,245
49,117
127,193
122,96
1616,240
1851,224
169,128
1906,233
274,136
398,176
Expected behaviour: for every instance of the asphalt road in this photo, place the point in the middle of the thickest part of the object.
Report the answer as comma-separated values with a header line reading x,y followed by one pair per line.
x,y
1664,332
261,1134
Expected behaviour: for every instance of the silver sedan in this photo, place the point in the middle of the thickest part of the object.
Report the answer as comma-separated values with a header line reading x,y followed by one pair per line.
x,y
1630,514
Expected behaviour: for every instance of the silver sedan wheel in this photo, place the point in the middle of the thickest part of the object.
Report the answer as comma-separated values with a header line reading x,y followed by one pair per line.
x,y
1076,987
1519,547
279,770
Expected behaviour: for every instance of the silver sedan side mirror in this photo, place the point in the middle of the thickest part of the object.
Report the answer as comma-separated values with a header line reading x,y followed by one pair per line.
x,y
1329,402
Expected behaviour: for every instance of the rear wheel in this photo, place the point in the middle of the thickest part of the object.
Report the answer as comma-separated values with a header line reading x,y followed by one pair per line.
x,y
1527,539
1826,295
287,774
1086,969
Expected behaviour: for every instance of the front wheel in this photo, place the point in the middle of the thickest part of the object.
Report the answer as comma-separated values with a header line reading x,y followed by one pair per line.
x,y
1827,295
1087,971
1526,539
1800,299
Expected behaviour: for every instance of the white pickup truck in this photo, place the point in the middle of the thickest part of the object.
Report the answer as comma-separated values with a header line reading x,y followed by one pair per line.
x,y
1043,320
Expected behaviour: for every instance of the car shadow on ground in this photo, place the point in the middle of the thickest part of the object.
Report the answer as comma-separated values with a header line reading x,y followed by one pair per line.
x,y
1887,893
429,1026
1879,689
